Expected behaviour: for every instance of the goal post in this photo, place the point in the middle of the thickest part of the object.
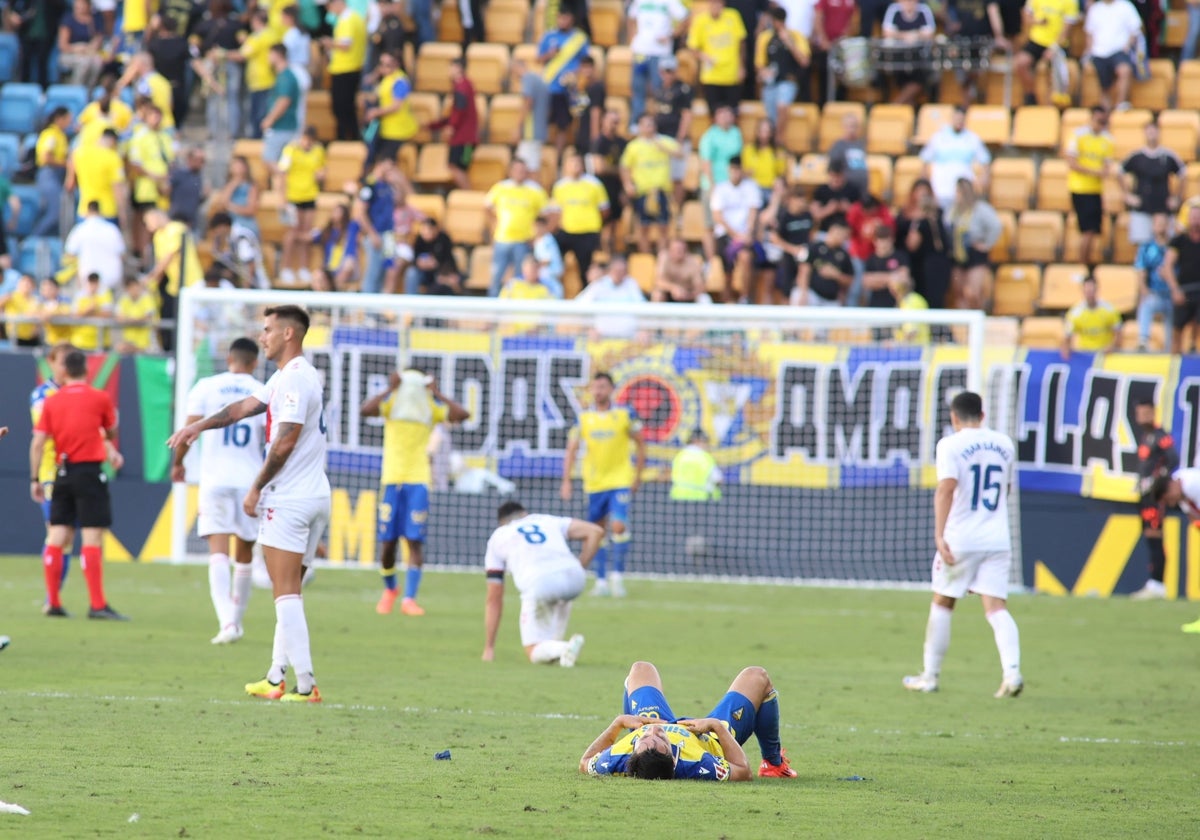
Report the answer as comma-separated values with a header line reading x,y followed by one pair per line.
x,y
822,421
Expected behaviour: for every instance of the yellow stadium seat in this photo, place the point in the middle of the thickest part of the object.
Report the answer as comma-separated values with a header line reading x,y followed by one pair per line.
x,y
802,121
618,72
1187,95
694,226
1042,80
479,274
270,223
1089,85
425,107
1012,181
607,19
505,23
344,163
318,111
326,203
1180,132
1016,289
812,171
252,151
1128,130
1002,251
888,129
429,205
489,165
1154,93
716,278
689,67
691,173
1039,236
1072,240
1124,251
1052,191
619,104
879,176
1119,285
433,66
433,165
1192,174
487,66
993,123
750,113
1113,196
526,54
450,28
1130,340
904,174
504,118
1042,332
930,120
466,217
599,58
642,267
549,171
701,120
1175,29
1062,286
831,121
1073,119
1036,127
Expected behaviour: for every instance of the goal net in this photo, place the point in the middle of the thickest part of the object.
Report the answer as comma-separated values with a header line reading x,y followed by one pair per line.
x,y
822,421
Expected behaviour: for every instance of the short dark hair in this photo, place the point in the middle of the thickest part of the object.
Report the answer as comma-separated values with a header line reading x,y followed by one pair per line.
x,y
649,764
76,364
1089,278
245,350
131,280
220,219
280,49
835,220
58,113
588,60
606,376
92,277
1158,487
1145,401
290,312
837,166
736,160
967,406
93,207
509,509
1099,109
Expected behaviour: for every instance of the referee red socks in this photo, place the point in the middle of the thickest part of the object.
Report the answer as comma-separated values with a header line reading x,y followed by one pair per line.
x,y
52,567
93,573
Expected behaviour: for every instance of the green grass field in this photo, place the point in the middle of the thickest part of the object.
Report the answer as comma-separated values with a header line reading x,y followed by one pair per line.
x,y
105,721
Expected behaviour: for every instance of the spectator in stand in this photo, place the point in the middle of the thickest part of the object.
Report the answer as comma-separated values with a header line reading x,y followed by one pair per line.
x,y
781,57
396,123
280,124
218,47
976,20
765,160
298,44
787,230
604,161
851,151
910,332
835,197
107,111
616,286
548,257
23,302
679,276
91,301
716,35
974,231
176,266
239,196
1090,157
1155,296
1192,38
721,142
525,284
375,213
884,269
953,153
147,83
135,20
187,187
913,23
560,52
865,218
338,243
672,110
463,122
1113,29
824,278
1049,25
172,55
1147,182
1181,270
651,28
50,154
347,55
588,96
512,206
54,309
735,206
831,23
581,201
79,43
871,13
646,173
921,232
151,153
98,248
432,250
407,219
301,174
35,23
236,251
136,311
1092,325
99,173
533,127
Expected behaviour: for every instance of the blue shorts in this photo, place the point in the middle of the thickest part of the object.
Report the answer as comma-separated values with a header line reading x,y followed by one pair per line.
x,y
403,512
613,504
734,708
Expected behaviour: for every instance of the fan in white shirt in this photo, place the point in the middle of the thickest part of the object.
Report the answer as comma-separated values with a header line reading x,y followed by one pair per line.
x,y
1113,29
99,247
614,287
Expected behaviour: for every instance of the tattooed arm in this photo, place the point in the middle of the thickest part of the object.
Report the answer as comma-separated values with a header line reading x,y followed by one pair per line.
x,y
286,436
227,416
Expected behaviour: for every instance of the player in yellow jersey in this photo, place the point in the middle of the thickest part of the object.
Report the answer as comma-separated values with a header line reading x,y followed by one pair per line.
x,y
56,363
610,434
410,407
661,745
1050,24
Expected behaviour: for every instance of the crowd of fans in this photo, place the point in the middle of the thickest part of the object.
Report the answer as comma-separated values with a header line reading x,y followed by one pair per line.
x,y
146,220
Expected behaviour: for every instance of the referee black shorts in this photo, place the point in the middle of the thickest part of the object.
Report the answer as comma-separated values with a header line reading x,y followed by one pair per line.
x,y
81,497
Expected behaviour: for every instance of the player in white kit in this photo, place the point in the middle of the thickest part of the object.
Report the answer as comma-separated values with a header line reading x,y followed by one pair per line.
x,y
290,495
229,461
975,468
1182,489
533,548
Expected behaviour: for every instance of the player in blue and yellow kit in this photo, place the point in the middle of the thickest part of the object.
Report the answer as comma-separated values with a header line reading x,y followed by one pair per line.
x,y
660,745
55,359
410,407
610,435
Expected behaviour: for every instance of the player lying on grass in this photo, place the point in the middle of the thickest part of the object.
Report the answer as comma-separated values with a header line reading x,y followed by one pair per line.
x,y
1182,489
533,548
660,745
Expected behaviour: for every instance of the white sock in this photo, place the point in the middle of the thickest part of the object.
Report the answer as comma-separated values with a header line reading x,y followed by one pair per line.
x,y
289,613
218,587
243,577
937,639
544,653
1008,642
279,660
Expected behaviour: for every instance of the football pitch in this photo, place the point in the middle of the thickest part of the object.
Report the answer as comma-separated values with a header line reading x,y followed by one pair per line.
x,y
142,729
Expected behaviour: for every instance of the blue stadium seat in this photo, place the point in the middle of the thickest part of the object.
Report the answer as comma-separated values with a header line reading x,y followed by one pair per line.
x,y
72,97
10,53
40,256
10,153
28,196
20,106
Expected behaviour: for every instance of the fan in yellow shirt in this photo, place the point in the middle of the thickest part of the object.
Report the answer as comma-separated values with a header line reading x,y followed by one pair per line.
x,y
580,198
106,112
349,43
92,301
910,332
763,160
717,33
302,169
514,205
646,175
54,305
524,285
255,53
1093,324
135,311
145,81
99,173
151,153
136,18
23,303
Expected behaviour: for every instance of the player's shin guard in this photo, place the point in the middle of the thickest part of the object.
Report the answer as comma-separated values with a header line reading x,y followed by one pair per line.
x,y
52,566
544,653
1008,642
620,549
93,573
219,580
937,638
766,729
600,561
412,581
243,580
1158,558
289,613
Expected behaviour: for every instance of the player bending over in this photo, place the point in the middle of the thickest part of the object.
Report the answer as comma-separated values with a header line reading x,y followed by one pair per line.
x,y
974,548
290,494
660,745
410,407
533,548
1181,489
231,458
610,435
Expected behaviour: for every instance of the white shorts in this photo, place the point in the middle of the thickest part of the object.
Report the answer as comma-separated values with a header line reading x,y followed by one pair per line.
x,y
221,513
530,151
294,525
546,607
981,572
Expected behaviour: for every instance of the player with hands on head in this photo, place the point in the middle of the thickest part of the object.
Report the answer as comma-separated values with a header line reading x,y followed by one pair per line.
x,y
975,468
411,407
532,547
290,495
648,741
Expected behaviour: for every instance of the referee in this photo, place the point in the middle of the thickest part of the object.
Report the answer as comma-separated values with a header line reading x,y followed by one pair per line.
x,y
79,419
